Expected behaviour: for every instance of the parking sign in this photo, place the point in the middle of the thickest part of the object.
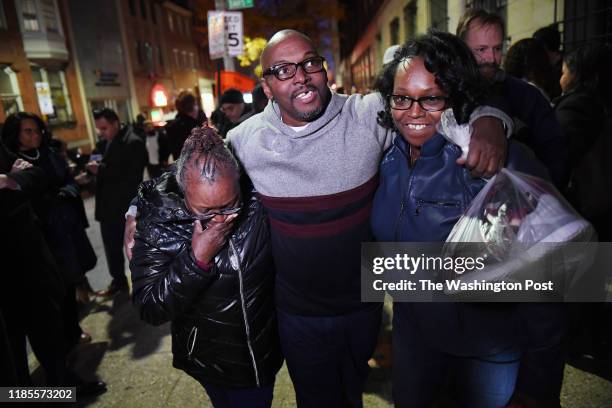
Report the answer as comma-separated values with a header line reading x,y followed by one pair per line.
x,y
233,31
216,34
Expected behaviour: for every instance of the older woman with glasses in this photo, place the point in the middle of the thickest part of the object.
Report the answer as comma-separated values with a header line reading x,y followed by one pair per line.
x,y
202,259
422,194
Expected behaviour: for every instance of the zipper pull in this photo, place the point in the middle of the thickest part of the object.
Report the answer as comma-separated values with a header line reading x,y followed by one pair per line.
x,y
234,261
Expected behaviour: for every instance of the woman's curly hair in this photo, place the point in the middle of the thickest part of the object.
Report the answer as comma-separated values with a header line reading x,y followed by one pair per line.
x,y
12,129
204,150
453,66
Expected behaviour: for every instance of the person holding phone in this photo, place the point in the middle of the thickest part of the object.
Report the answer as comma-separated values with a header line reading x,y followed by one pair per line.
x,y
122,157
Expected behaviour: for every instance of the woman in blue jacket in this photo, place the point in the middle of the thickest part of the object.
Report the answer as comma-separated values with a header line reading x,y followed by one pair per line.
x,y
422,194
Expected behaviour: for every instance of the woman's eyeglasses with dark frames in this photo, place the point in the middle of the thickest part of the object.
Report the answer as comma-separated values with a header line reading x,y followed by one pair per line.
x,y
428,103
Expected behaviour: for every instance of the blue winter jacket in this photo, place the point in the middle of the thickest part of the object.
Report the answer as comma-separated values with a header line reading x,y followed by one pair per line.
x,y
422,203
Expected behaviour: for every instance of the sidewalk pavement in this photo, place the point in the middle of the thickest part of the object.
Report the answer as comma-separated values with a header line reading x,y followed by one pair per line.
x,y
135,359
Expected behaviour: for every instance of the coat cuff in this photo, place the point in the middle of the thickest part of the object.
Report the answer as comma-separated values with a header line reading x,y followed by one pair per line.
x,y
481,111
202,267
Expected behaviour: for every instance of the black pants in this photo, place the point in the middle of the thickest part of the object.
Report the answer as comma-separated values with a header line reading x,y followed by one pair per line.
x,y
70,312
327,356
112,237
39,317
8,374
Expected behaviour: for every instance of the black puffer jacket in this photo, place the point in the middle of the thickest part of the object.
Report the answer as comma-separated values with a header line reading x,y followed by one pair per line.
x,y
223,321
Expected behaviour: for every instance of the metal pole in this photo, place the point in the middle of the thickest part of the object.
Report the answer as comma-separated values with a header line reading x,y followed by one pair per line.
x,y
228,61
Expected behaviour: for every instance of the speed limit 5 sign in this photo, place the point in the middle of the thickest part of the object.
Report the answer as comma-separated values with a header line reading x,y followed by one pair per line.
x,y
225,33
233,32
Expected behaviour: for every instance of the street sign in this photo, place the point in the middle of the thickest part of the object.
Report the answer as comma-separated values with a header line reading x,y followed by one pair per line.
x,y
239,4
225,33
216,34
233,31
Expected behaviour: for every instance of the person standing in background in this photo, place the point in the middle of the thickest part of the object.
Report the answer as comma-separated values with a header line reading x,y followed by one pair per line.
x,y
118,175
484,34
189,116
235,110
260,100
154,149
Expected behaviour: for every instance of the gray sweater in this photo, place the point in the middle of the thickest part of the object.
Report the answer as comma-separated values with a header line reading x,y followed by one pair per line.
x,y
338,151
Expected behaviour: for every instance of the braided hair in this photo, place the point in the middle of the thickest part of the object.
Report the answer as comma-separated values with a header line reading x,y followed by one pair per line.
x,y
205,152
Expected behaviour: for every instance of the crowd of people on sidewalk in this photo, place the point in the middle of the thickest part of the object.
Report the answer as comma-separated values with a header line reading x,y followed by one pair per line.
x,y
251,245
47,255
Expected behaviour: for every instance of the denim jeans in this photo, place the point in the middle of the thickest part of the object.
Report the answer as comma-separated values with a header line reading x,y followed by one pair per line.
x,y
420,372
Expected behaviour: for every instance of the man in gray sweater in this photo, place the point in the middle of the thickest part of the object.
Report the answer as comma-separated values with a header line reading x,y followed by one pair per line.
x,y
313,157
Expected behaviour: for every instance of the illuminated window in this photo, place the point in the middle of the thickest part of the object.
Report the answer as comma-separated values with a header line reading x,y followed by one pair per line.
x,y
9,91
48,12
30,15
56,81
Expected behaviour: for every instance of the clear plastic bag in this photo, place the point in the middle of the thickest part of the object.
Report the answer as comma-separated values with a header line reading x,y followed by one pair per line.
x,y
514,222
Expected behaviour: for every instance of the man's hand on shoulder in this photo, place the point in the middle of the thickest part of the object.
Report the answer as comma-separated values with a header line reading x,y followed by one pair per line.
x,y
488,147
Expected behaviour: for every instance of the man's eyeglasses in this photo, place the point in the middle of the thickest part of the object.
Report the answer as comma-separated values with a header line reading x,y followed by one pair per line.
x,y
286,71
209,215
428,103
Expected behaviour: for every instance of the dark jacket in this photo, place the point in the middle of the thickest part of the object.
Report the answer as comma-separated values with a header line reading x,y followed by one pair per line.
x,y
582,116
535,122
422,203
119,174
62,213
223,320
225,125
178,131
28,263
587,121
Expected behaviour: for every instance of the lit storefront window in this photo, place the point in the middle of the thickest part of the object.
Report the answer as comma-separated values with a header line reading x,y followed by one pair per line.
x,y
61,112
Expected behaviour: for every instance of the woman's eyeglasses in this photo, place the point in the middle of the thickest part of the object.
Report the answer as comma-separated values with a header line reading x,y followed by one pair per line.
x,y
209,215
428,103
